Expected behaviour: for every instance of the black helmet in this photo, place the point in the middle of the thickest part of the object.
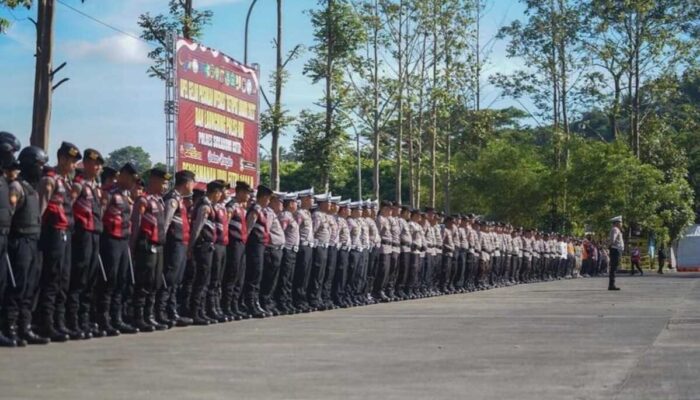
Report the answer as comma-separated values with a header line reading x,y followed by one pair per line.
x,y
9,143
32,155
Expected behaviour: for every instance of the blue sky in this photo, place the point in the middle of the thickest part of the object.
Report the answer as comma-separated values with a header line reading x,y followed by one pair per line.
x,y
110,102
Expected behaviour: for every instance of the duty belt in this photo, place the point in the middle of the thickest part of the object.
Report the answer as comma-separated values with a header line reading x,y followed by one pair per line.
x,y
307,244
275,247
292,248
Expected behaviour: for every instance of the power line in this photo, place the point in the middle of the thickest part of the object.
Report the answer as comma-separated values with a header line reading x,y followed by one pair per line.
x,y
112,27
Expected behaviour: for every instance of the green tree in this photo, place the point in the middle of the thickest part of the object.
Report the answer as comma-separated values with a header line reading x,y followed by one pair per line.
x,y
337,32
12,4
133,154
183,18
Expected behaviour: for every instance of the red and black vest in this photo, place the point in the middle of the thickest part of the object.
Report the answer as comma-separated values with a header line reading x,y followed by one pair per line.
x,y
221,224
117,215
59,210
152,226
87,208
208,232
237,227
26,220
179,228
260,231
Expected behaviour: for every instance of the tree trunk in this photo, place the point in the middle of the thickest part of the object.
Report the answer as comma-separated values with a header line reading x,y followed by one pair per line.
x,y
563,89
636,110
433,133
41,116
277,110
399,138
477,71
421,123
616,106
329,88
375,111
186,28
448,133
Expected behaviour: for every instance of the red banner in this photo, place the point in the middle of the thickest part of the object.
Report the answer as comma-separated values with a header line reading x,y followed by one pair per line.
x,y
217,123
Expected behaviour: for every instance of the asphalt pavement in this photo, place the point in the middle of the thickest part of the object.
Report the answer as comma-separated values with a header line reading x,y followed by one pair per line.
x,y
569,339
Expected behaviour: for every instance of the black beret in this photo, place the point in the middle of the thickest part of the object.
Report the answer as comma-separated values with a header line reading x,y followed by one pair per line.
x,y
159,173
129,168
92,154
243,186
264,190
184,175
70,150
215,185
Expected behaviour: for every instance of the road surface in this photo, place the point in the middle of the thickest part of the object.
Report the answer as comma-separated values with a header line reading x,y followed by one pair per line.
x,y
558,340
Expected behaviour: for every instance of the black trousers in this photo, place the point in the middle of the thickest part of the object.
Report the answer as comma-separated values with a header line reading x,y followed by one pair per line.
x,y
404,267
234,274
84,274
175,259
318,274
369,266
271,271
382,273
302,274
4,273
148,273
110,293
446,273
413,273
218,265
341,276
55,274
285,284
331,265
26,267
460,269
255,259
354,272
203,254
614,264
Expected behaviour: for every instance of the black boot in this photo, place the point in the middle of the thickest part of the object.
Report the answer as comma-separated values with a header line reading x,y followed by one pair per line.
x,y
75,332
9,331
105,325
26,334
47,329
200,319
140,322
122,326
254,309
177,319
6,341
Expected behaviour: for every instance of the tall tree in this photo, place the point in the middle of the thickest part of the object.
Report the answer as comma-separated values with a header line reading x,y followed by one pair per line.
x,y
337,35
183,18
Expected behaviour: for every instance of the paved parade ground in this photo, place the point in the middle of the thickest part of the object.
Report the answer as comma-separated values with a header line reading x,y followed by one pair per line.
x,y
558,340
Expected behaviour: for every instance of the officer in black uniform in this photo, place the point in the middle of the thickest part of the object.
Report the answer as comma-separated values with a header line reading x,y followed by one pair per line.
x,y
234,273
201,249
177,226
218,262
86,267
258,238
8,146
56,196
115,254
23,248
147,240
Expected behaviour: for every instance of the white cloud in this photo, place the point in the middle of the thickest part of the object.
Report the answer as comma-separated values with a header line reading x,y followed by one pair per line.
x,y
120,49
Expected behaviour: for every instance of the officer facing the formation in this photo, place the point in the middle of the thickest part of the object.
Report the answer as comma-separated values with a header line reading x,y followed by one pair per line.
x,y
177,228
9,145
214,310
86,264
273,255
56,196
617,246
322,237
302,270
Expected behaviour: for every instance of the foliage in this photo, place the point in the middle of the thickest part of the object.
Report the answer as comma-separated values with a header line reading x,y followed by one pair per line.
x,y
133,154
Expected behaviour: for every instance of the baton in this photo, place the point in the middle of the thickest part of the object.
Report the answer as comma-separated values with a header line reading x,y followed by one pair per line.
x,y
9,269
102,267
165,283
131,266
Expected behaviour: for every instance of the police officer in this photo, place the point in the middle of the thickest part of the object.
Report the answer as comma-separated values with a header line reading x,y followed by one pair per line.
x,y
258,238
147,241
372,243
177,227
86,268
355,226
302,270
9,145
344,245
218,263
617,246
201,250
417,256
285,286
115,254
384,226
320,258
273,254
331,260
56,195
404,262
234,274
